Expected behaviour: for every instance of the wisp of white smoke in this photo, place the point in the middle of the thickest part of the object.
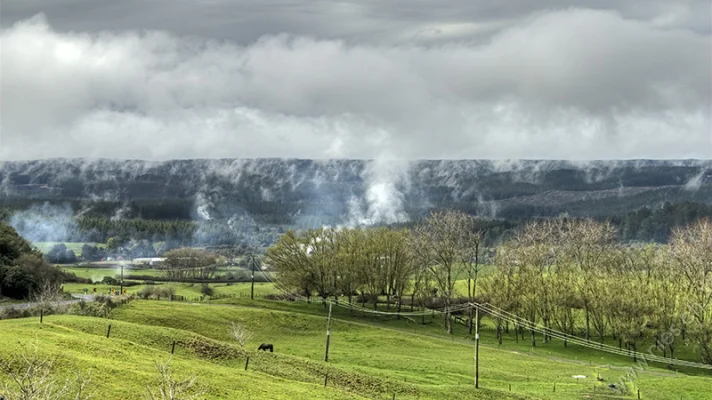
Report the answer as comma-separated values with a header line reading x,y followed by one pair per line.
x,y
45,223
383,203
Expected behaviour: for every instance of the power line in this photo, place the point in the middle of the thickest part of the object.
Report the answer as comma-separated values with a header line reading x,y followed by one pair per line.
x,y
509,317
501,314
283,288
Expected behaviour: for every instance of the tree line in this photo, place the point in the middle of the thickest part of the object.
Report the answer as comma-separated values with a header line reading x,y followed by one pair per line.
x,y
100,224
424,262
568,275
572,276
23,271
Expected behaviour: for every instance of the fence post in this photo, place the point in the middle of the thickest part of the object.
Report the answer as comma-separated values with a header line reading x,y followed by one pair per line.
x,y
173,348
41,314
326,378
247,362
108,331
328,335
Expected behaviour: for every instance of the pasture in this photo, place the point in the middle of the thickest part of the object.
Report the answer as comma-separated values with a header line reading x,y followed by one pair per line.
x,y
98,270
371,356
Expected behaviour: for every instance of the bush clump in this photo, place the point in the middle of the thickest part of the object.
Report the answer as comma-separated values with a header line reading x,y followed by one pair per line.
x,y
108,280
157,292
102,306
206,290
34,311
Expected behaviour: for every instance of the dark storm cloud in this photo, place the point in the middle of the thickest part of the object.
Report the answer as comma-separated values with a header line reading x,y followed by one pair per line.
x,y
244,21
404,79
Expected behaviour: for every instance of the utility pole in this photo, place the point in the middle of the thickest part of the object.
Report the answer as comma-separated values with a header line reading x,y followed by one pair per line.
x,y
252,290
121,290
328,334
477,347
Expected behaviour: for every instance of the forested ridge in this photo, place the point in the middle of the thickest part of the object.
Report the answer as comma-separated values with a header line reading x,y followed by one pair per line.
x,y
224,202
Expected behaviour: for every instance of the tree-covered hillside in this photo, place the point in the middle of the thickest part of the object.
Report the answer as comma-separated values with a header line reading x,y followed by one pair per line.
x,y
223,202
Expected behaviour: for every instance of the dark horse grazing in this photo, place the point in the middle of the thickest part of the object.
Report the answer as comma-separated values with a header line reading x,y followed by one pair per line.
x,y
265,347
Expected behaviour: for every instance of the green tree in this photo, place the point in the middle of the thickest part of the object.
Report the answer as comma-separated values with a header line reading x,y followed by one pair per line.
x,y
291,261
691,251
439,243
191,263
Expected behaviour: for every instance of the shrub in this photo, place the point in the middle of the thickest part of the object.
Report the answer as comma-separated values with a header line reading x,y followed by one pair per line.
x,y
71,277
102,306
147,292
13,312
157,292
165,291
108,280
206,290
91,309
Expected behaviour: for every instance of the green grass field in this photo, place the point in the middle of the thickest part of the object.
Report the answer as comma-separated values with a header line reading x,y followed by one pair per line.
x,y
370,356
98,270
97,274
189,290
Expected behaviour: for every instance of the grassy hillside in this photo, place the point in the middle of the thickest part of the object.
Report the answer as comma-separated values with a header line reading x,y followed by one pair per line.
x,y
370,357
121,368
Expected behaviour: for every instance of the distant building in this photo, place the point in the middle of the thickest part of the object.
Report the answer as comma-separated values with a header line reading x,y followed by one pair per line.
x,y
148,261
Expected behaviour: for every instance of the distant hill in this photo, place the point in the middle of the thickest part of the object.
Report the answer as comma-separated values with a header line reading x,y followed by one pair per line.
x,y
309,193
336,190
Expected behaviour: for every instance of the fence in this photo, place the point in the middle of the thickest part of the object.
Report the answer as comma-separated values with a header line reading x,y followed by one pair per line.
x,y
198,299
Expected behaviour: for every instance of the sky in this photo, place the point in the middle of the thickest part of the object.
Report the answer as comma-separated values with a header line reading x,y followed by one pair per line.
x,y
395,79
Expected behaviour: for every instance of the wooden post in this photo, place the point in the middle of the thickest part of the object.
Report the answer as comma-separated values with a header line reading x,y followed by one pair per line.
x,y
247,362
173,348
121,287
326,378
252,290
638,394
41,314
328,335
108,331
554,387
477,347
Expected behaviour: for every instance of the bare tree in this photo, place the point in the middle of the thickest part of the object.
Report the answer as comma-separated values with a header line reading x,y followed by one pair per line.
x,y
32,377
350,261
189,263
169,388
292,261
439,243
471,259
584,245
691,250
240,333
47,292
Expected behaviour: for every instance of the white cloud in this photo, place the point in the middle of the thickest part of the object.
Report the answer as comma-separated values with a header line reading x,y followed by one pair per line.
x,y
576,84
